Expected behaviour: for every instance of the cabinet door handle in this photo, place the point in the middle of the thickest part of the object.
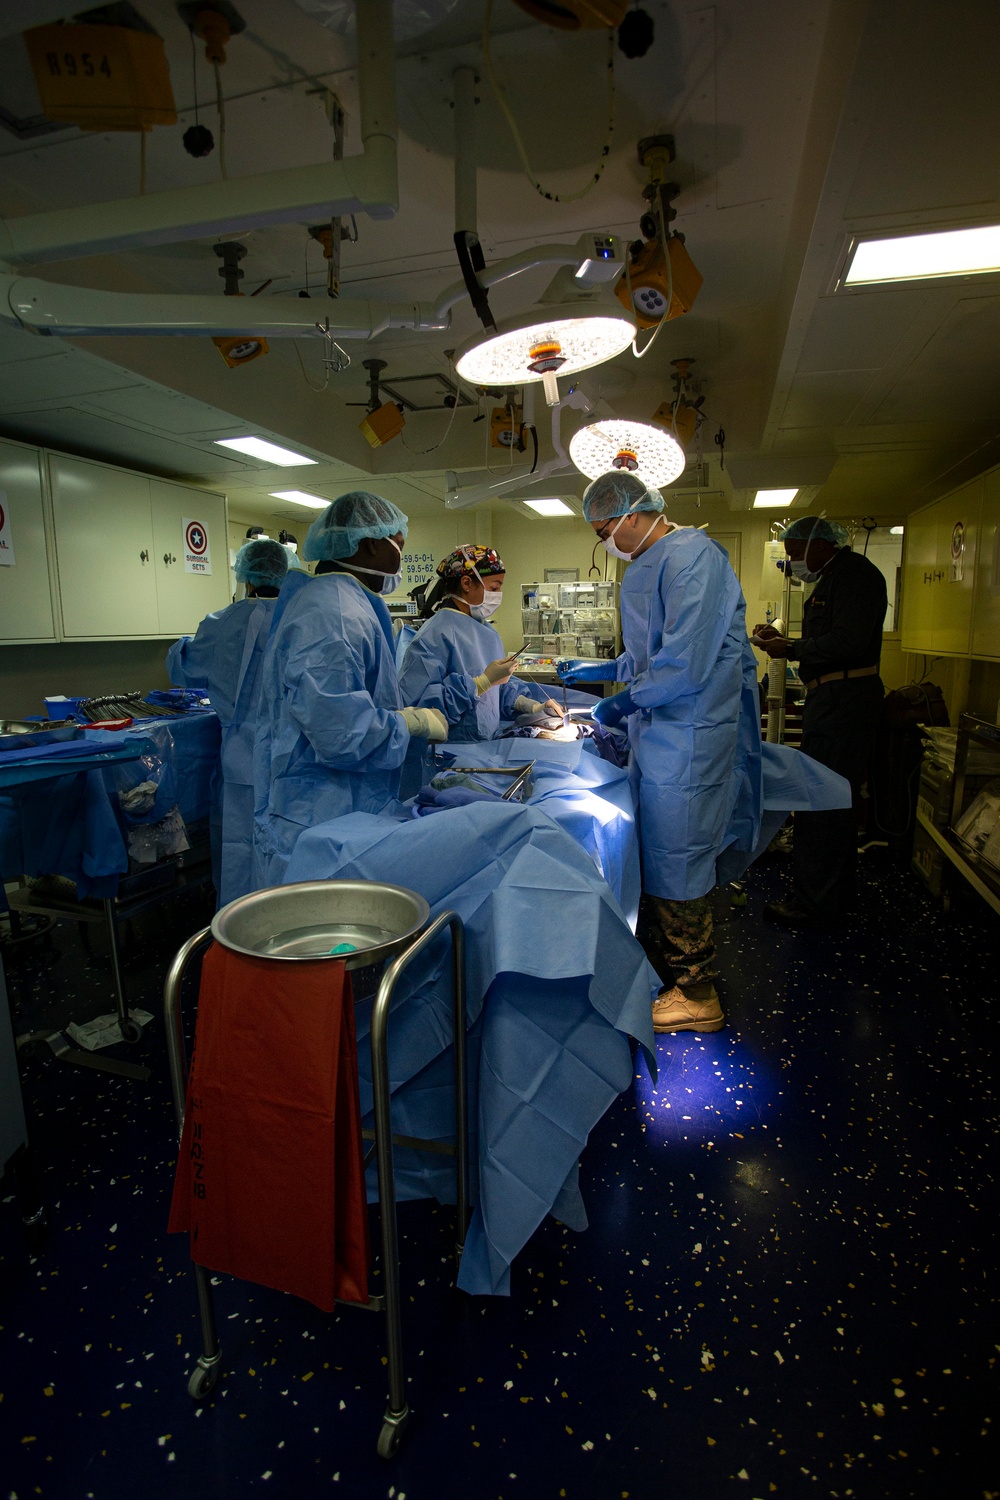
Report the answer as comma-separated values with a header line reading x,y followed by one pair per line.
x,y
144,556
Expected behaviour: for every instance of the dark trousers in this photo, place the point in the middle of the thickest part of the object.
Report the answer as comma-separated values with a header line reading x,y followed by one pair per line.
x,y
679,939
839,720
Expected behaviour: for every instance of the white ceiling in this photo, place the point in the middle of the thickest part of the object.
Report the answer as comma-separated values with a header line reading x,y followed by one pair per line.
x,y
799,123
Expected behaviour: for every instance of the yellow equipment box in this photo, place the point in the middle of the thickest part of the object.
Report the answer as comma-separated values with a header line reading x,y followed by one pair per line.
x,y
102,77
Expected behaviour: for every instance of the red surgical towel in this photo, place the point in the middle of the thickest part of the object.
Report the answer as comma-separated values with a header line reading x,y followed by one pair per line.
x,y
270,1178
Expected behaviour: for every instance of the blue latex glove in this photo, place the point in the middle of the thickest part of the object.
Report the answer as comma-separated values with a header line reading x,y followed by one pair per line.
x,y
612,711
574,669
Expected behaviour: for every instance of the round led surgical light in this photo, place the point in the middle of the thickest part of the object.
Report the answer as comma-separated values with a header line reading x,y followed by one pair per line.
x,y
526,349
654,456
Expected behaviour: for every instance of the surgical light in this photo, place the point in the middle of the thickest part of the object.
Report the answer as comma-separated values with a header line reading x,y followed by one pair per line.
x,y
300,497
531,348
918,257
268,453
553,507
765,499
639,448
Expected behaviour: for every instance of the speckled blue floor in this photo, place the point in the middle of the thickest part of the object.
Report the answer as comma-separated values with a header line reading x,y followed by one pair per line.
x,y
787,1287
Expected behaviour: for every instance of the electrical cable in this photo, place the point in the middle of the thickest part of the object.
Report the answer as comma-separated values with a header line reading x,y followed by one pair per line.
x,y
515,132
220,105
420,452
305,377
665,243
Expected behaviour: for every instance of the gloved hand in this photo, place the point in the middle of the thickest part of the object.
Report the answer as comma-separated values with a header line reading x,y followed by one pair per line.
x,y
525,705
495,674
611,712
425,723
573,669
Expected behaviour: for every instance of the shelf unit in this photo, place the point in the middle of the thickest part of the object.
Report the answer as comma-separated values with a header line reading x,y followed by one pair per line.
x,y
571,619
983,876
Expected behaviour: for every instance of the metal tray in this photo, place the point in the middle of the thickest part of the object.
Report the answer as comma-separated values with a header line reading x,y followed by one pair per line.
x,y
311,919
23,734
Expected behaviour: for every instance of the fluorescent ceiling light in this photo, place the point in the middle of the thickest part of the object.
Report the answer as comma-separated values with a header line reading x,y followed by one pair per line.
x,y
268,453
548,507
896,530
653,455
764,499
300,497
528,348
916,257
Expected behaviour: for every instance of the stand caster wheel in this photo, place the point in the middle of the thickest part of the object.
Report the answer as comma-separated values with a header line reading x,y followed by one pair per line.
x,y
392,1432
131,1030
202,1381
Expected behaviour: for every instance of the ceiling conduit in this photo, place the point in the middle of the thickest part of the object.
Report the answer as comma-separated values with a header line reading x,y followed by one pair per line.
x,y
365,184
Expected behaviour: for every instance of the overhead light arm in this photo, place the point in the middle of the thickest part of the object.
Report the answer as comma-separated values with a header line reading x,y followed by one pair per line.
x,y
555,256
71,311
463,497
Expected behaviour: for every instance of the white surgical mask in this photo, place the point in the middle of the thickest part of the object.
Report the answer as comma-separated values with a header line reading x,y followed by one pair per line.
x,y
616,551
490,605
799,570
390,581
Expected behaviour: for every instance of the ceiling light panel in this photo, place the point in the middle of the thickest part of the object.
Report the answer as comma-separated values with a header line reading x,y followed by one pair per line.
x,y
920,257
552,507
654,456
769,499
268,453
300,497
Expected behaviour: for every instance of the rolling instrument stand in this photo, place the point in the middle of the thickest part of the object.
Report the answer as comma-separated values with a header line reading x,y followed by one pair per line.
x,y
206,1372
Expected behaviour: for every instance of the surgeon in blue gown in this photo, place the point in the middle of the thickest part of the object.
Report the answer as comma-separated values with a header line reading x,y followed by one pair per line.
x,y
223,659
456,662
693,718
333,730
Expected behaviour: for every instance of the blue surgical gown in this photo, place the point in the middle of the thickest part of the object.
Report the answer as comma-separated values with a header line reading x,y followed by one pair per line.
x,y
224,660
439,670
696,740
329,740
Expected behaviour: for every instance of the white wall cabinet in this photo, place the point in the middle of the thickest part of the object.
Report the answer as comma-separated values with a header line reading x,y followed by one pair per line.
x,y
26,606
104,549
951,579
120,549
182,598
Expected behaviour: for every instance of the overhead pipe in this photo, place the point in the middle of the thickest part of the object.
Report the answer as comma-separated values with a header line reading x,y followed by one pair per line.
x,y
75,312
365,184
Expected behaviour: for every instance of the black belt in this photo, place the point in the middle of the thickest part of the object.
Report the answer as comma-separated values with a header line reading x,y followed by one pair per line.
x,y
840,676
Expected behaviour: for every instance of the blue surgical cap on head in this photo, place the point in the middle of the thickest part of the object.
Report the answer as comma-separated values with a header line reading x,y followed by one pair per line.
x,y
815,528
347,522
262,564
616,494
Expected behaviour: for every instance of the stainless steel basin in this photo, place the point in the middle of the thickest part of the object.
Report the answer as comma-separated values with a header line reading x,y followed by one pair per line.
x,y
23,734
364,919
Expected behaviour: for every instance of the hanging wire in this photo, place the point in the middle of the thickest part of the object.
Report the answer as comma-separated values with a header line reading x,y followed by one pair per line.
x,y
641,353
420,452
194,72
220,105
305,377
598,173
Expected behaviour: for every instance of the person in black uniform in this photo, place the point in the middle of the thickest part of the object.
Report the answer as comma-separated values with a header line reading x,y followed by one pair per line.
x,y
838,661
